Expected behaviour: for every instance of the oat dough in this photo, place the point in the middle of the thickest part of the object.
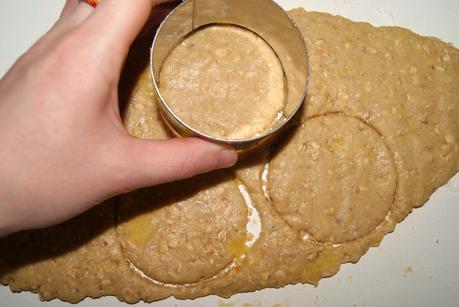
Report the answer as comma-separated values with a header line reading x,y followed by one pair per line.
x,y
230,78
378,134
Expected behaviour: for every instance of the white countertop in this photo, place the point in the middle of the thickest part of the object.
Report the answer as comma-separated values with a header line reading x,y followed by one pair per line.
x,y
427,241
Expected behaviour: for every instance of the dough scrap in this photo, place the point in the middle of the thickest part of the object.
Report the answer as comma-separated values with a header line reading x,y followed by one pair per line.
x,y
385,87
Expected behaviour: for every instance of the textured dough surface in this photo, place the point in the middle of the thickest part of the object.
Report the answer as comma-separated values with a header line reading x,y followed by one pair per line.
x,y
379,127
230,78
342,184
183,232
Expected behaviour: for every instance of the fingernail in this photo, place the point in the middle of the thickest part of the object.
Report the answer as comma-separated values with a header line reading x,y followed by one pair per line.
x,y
227,158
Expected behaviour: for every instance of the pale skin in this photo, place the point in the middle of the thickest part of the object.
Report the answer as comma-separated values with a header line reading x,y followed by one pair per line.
x,y
64,148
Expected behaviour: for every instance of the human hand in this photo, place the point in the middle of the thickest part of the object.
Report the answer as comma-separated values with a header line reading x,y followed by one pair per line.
x,y
63,145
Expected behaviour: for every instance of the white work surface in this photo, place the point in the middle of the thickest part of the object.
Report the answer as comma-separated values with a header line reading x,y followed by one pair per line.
x,y
418,265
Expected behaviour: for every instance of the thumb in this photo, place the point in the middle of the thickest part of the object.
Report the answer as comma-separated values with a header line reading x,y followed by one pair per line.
x,y
151,163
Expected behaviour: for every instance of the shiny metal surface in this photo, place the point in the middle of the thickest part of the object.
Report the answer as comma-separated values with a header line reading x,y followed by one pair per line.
x,y
263,17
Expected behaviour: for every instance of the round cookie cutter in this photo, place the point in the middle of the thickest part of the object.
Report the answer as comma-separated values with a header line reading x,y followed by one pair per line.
x,y
266,19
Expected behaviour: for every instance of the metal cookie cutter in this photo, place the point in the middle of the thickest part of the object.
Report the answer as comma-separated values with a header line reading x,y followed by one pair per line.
x,y
263,17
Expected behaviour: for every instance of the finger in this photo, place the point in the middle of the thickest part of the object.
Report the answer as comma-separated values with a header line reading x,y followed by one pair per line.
x,y
72,17
114,25
158,13
78,16
151,163
73,14
69,7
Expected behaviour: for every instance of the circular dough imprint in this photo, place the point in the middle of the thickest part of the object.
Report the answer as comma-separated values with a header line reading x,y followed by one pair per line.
x,y
184,232
224,81
334,180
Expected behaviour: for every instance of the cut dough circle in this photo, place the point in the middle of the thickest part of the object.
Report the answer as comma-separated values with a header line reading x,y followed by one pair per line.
x,y
183,232
334,181
224,81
